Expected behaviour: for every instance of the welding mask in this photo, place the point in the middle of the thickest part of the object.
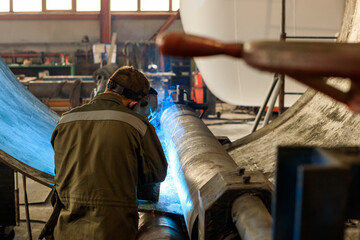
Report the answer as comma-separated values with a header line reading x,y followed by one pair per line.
x,y
147,106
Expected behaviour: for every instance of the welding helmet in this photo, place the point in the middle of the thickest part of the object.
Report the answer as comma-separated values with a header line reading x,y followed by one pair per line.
x,y
129,82
147,106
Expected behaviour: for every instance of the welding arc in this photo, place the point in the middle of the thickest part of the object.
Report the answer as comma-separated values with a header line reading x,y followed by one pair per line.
x,y
307,62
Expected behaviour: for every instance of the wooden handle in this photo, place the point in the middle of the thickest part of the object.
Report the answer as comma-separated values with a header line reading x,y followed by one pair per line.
x,y
320,59
183,45
299,58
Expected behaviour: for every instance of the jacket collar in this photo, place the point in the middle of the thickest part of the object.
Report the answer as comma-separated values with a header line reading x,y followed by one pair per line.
x,y
109,97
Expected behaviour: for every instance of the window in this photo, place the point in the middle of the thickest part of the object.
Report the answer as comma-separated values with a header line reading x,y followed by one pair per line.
x,y
154,5
145,5
88,5
58,5
27,5
124,5
4,5
175,5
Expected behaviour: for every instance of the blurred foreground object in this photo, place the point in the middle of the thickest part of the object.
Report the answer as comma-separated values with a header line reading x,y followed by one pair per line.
x,y
306,62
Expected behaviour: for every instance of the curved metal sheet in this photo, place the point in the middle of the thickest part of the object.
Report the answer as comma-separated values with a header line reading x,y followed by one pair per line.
x,y
25,129
314,120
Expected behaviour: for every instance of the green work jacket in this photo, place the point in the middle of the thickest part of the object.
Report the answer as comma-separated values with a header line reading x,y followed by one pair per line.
x,y
101,150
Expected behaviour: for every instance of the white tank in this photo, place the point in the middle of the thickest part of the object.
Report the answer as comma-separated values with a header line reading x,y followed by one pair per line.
x,y
230,79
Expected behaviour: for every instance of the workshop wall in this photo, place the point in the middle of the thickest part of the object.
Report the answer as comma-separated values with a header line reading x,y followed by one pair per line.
x,y
48,31
66,35
140,30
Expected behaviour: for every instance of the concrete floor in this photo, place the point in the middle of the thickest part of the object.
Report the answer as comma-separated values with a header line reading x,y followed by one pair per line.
x,y
39,209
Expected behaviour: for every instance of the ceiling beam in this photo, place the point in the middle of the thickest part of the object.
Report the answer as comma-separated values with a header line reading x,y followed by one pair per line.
x,y
166,25
49,16
142,15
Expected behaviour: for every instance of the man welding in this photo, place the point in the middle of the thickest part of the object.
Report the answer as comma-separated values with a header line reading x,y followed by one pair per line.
x,y
102,150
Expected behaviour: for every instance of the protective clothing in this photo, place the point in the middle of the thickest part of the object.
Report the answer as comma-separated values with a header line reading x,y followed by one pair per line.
x,y
101,150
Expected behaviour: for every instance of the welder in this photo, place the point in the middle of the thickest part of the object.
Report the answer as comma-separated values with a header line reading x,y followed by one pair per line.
x,y
102,151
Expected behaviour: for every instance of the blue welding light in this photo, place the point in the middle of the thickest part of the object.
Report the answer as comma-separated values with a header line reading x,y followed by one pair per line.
x,y
152,115
173,158
26,124
172,189
175,177
179,180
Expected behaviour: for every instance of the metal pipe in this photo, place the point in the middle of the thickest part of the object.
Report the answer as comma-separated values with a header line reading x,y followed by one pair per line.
x,y
195,156
282,94
17,199
282,76
155,226
272,103
112,48
283,20
262,109
311,37
251,218
27,209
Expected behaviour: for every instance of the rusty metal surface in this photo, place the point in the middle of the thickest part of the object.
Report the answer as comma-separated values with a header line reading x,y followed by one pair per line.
x,y
314,120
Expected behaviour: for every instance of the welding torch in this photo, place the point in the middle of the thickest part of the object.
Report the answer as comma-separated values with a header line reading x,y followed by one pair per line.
x,y
307,62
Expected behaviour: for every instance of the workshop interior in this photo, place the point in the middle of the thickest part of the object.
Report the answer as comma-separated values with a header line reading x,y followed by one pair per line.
x,y
288,70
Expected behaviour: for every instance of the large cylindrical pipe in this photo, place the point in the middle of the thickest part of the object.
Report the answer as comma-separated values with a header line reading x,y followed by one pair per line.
x,y
155,226
251,218
195,156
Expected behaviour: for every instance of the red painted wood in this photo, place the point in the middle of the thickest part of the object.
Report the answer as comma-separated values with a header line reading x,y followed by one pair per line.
x,y
105,22
167,24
